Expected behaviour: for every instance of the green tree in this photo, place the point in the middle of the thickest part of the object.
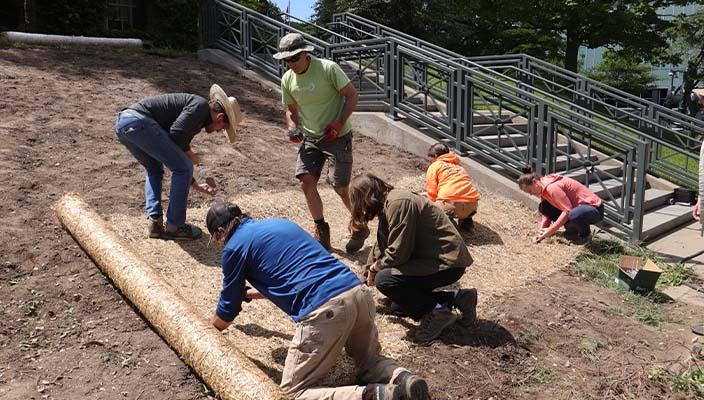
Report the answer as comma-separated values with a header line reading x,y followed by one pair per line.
x,y
620,72
687,36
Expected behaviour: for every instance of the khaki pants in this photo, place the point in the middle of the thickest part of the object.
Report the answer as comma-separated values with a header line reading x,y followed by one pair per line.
x,y
346,320
459,210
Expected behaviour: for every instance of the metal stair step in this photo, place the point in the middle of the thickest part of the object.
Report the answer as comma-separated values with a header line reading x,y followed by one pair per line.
x,y
663,219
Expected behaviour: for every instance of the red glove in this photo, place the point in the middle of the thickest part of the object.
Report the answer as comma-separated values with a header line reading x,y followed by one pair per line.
x,y
332,130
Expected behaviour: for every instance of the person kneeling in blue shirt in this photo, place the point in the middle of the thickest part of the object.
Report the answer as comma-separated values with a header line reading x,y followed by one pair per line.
x,y
322,295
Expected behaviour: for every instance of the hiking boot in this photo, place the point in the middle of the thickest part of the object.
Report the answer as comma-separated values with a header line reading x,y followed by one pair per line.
x,y
466,224
433,323
155,227
183,232
321,233
466,303
357,240
378,391
412,387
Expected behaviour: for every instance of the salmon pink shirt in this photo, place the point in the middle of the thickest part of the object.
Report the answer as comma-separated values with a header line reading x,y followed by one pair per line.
x,y
566,193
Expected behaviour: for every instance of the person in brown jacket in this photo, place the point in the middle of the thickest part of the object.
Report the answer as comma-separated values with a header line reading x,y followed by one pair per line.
x,y
418,250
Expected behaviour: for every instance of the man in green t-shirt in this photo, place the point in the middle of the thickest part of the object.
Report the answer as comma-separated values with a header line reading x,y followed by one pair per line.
x,y
319,99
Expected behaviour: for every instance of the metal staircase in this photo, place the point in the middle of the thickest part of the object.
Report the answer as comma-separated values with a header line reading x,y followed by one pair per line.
x,y
505,111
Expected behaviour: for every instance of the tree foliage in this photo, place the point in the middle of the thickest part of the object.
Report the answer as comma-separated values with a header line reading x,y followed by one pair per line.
x,y
622,73
687,35
548,29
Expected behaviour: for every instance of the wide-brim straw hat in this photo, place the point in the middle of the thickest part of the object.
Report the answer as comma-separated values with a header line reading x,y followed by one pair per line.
x,y
292,44
232,110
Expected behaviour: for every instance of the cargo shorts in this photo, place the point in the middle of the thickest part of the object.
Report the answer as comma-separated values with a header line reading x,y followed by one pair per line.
x,y
313,153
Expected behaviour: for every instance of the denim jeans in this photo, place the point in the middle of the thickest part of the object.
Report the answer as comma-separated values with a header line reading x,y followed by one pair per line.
x,y
152,147
579,218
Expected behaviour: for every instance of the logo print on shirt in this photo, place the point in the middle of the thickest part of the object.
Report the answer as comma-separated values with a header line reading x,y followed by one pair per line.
x,y
307,88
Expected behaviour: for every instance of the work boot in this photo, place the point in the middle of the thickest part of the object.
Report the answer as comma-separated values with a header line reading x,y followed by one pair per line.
x,y
155,227
183,232
357,240
412,387
466,303
378,391
321,233
433,323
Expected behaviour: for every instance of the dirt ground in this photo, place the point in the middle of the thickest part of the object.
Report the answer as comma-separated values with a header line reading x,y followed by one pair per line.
x,y
66,333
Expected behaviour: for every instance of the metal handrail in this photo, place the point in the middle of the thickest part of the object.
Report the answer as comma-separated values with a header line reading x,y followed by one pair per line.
x,y
452,80
650,120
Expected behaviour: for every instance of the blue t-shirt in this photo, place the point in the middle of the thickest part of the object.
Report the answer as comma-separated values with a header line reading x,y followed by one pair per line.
x,y
285,264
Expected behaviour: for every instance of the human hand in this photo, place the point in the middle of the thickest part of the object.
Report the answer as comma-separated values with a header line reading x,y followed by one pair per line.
x,y
252,294
193,157
204,188
370,277
332,131
697,210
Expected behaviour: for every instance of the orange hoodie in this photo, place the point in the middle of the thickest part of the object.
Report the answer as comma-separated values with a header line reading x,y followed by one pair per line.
x,y
447,180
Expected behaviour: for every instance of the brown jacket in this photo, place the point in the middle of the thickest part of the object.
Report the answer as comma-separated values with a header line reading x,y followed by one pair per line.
x,y
416,238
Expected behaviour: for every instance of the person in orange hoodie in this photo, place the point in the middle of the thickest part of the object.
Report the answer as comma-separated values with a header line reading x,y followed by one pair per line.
x,y
450,187
564,202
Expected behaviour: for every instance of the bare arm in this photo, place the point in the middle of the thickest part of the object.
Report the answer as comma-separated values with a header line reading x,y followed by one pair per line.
x,y
351,98
293,120
219,323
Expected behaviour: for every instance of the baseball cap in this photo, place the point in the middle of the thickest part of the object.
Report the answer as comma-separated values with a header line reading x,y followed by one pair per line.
x,y
220,214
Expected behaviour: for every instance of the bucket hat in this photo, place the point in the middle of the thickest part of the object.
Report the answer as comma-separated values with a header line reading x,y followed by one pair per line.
x,y
292,44
232,110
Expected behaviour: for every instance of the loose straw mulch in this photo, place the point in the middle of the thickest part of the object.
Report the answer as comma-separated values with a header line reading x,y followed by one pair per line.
x,y
504,259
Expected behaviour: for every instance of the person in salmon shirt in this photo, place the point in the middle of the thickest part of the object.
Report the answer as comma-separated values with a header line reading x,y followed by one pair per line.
x,y
564,202
449,186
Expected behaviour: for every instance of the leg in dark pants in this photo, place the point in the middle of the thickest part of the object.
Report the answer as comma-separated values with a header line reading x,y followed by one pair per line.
x,y
414,294
552,212
582,216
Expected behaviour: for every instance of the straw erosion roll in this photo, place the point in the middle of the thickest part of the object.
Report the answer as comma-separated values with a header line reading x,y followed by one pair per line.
x,y
224,368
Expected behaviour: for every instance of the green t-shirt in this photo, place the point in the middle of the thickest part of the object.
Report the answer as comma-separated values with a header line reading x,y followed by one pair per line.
x,y
317,94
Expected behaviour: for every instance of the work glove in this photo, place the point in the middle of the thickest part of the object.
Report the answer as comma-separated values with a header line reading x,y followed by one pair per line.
x,y
295,135
332,131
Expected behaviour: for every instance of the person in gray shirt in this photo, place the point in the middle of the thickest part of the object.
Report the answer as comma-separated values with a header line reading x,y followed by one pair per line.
x,y
158,131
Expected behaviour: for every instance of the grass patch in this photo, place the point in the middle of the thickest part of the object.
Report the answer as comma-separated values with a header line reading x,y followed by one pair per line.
x,y
677,274
541,375
600,265
690,382
589,348
527,339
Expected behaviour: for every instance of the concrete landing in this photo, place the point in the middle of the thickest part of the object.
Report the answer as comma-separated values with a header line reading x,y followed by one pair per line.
x,y
681,243
685,294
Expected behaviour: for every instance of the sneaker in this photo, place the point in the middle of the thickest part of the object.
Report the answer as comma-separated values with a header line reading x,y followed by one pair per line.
x,y
155,227
466,224
433,323
466,303
378,391
321,233
412,387
357,240
184,232
582,240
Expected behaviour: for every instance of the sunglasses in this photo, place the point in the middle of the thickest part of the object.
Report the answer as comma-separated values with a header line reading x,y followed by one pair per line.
x,y
293,58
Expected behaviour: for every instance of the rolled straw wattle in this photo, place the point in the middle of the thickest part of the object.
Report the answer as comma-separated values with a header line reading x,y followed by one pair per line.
x,y
224,368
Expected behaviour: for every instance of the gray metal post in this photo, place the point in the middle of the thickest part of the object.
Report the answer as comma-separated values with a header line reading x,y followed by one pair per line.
x,y
641,171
